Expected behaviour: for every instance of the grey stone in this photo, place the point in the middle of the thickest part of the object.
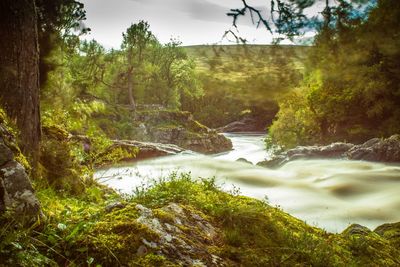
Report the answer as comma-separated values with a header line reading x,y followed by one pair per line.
x,y
376,149
5,154
244,160
381,150
142,250
246,124
18,193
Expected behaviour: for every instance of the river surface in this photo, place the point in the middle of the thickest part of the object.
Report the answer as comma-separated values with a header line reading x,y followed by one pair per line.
x,y
330,194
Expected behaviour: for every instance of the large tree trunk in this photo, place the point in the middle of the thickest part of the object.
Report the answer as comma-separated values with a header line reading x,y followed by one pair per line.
x,y
19,71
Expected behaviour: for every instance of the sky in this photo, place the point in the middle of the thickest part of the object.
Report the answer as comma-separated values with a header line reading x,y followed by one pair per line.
x,y
190,21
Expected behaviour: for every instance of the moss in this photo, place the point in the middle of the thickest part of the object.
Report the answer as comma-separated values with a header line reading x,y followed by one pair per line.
x,y
152,260
248,232
114,154
8,134
164,216
390,232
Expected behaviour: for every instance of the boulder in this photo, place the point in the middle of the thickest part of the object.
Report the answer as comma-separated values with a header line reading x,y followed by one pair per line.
x,y
246,124
335,150
244,161
381,150
376,149
275,162
183,234
16,191
148,149
178,128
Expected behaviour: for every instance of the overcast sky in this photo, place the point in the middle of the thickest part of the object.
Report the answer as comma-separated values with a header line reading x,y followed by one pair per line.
x,y
190,21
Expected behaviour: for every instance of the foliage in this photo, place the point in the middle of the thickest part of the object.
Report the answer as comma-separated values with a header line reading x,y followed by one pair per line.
x,y
351,89
238,78
78,231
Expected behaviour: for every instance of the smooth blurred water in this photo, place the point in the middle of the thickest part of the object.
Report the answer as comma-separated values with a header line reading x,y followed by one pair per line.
x,y
330,194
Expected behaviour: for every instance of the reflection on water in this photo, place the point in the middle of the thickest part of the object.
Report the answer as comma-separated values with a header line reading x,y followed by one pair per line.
x,y
327,193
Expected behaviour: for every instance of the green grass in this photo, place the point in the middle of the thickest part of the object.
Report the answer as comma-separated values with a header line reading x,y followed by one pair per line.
x,y
249,232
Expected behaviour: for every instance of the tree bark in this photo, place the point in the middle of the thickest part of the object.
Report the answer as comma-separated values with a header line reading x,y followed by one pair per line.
x,y
130,91
19,71
130,81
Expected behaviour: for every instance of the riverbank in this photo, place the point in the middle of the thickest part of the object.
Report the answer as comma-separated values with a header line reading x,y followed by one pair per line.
x,y
386,150
330,193
183,219
186,222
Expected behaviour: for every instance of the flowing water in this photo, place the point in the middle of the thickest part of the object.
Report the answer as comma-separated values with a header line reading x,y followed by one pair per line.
x,y
330,194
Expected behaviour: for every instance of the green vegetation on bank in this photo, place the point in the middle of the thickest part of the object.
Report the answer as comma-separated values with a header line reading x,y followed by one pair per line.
x,y
237,231
95,92
345,87
351,86
244,80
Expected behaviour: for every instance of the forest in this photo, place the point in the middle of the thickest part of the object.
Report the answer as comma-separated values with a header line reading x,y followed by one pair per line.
x,y
164,154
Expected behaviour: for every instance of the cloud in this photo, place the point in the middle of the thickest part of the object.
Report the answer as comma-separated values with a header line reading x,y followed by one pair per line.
x,y
192,21
196,9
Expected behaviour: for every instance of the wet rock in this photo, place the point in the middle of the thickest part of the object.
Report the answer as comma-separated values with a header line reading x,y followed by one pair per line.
x,y
335,150
148,149
244,160
275,162
381,150
376,149
246,124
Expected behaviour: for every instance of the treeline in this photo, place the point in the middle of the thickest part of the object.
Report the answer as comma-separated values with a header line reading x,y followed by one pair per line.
x,y
244,81
91,90
351,88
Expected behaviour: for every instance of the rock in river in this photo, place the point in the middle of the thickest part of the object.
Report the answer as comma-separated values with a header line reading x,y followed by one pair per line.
x,y
376,149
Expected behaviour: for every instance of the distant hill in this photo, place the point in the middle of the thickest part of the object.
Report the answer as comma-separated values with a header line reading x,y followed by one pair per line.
x,y
244,80
241,61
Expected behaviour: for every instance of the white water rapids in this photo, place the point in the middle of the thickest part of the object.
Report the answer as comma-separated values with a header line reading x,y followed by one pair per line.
x,y
330,194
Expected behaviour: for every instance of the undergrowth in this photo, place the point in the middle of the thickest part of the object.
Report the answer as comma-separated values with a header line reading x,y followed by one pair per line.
x,y
78,231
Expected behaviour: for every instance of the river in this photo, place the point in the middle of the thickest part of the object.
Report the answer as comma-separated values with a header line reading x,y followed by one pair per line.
x,y
330,194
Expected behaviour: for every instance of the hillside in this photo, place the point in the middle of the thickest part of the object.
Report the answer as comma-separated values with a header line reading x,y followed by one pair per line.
x,y
249,78
255,58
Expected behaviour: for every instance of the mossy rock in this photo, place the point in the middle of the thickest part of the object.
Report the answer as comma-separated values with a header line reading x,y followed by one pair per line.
x,y
182,222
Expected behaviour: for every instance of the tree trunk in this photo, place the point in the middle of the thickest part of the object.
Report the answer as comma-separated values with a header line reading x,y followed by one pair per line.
x,y
19,71
130,81
130,91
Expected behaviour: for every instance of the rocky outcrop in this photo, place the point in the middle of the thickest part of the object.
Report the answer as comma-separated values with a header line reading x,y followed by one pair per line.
x,y
184,234
177,233
383,150
16,192
377,149
244,125
179,128
148,149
